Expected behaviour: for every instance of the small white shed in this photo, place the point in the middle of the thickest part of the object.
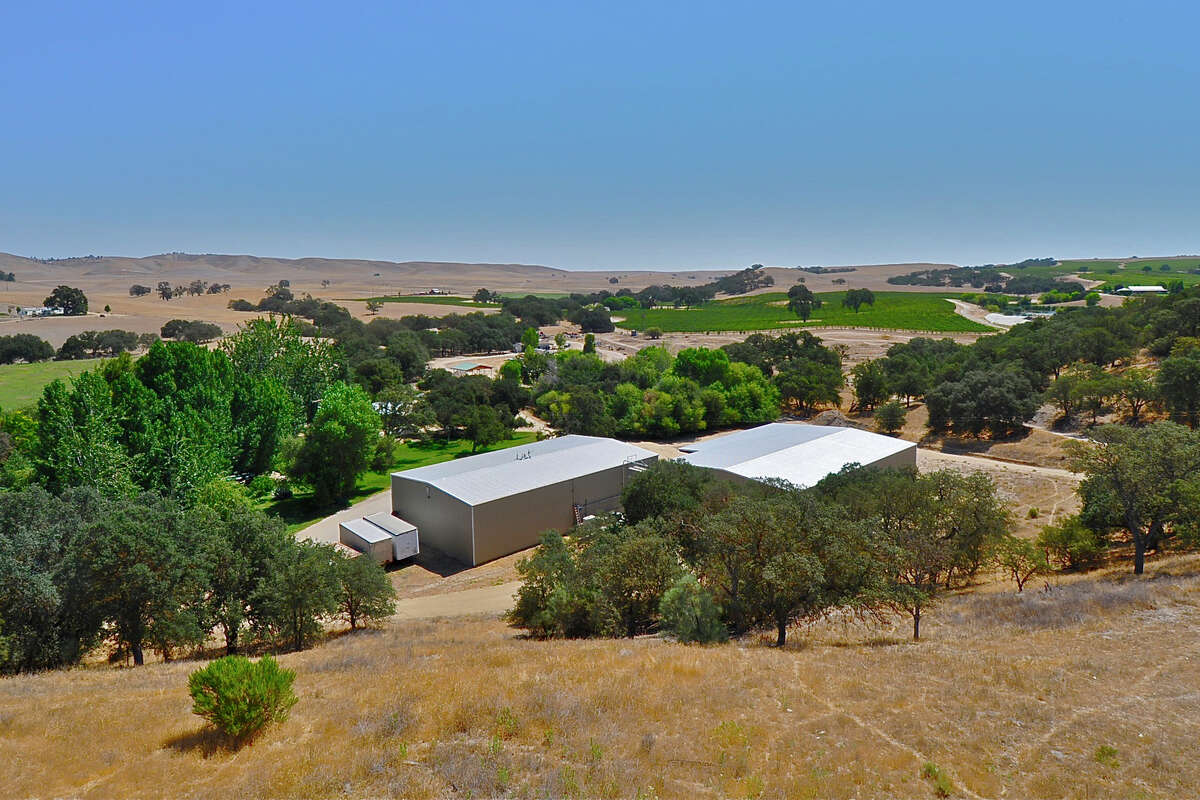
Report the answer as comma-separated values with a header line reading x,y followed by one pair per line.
x,y
382,536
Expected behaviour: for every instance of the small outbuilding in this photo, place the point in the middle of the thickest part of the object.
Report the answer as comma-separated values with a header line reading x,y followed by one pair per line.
x,y
482,507
470,368
382,536
797,453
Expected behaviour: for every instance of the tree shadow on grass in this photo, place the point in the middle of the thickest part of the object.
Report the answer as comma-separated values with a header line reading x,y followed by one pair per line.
x,y
207,741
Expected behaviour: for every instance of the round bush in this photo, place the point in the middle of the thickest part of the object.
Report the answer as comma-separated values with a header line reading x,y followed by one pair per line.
x,y
240,696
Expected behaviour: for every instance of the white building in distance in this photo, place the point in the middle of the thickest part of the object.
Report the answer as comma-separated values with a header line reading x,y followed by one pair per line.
x,y
797,453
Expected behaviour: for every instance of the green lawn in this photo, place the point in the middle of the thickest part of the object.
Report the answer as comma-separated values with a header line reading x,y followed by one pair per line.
x,y
1127,271
21,384
299,512
431,299
1083,265
897,310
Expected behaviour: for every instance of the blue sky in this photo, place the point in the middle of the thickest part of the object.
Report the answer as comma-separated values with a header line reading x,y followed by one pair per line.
x,y
607,134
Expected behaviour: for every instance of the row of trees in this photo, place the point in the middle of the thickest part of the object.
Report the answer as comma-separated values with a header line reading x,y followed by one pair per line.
x,y
27,348
993,278
538,311
651,393
166,291
142,572
194,330
103,344
760,556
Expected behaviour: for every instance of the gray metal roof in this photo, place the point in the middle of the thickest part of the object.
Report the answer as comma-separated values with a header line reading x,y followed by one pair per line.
x,y
390,523
799,454
380,527
368,532
745,445
502,473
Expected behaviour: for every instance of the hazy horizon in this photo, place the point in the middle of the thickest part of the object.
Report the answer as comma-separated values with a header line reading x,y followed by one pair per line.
x,y
591,268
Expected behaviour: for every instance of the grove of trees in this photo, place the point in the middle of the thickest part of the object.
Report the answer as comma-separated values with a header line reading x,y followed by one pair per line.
x,y
761,557
140,571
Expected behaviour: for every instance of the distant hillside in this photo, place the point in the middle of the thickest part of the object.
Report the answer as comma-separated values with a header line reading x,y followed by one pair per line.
x,y
116,273
216,266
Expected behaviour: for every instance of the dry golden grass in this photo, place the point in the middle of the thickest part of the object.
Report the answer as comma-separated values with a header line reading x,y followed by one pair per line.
x,y
1009,696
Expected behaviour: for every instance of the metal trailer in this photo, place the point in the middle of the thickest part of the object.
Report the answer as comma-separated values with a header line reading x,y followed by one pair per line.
x,y
382,536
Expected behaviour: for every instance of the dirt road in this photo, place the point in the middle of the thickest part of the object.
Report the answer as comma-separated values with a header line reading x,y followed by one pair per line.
x,y
1046,492
493,600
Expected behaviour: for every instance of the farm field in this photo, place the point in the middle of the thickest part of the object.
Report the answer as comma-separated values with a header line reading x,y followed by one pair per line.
x,y
1133,271
21,384
1181,264
298,511
895,310
1068,267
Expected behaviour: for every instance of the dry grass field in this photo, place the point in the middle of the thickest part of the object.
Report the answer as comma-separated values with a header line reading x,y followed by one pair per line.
x,y
1090,689
106,281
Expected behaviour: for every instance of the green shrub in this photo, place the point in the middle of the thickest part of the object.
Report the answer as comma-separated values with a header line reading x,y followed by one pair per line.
x,y
1107,755
240,696
384,455
690,614
1034,512
261,485
890,416
1071,545
942,785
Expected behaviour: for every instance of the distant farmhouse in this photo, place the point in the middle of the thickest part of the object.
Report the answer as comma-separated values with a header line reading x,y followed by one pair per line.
x,y
1142,290
470,368
26,312
482,507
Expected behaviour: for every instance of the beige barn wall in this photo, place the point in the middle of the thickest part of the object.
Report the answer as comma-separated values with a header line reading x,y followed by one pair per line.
x,y
443,522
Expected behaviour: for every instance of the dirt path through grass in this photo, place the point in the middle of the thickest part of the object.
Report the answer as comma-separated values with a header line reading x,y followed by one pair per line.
x,y
492,600
879,733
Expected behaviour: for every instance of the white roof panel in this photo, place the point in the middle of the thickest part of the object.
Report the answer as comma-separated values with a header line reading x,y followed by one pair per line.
x,y
744,445
390,523
368,532
799,454
502,473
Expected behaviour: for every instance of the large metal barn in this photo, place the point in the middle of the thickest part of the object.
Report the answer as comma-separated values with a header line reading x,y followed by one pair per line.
x,y
482,507
799,454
